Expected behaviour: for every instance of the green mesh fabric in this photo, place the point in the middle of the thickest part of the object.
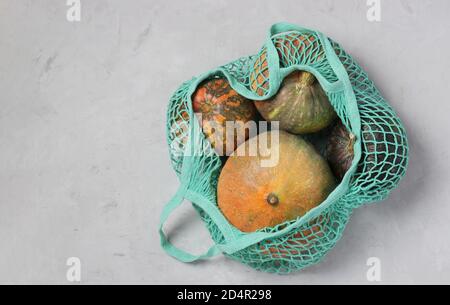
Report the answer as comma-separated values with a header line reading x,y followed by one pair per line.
x,y
381,150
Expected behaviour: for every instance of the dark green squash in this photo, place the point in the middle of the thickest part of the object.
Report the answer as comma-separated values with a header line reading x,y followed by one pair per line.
x,y
339,150
301,106
379,150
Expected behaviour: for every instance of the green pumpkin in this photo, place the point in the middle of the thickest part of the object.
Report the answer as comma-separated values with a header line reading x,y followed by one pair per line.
x,y
301,106
379,149
339,150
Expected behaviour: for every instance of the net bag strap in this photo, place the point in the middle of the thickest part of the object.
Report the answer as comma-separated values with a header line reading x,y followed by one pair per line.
x,y
170,249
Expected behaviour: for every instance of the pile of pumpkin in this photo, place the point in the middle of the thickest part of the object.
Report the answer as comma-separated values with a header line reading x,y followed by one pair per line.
x,y
315,150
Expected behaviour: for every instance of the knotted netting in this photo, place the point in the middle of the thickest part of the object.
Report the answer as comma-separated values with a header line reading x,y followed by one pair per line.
x,y
380,151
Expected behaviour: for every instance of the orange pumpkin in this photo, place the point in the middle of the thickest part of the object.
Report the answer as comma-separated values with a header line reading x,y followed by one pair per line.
x,y
218,104
293,47
276,184
296,47
298,242
259,77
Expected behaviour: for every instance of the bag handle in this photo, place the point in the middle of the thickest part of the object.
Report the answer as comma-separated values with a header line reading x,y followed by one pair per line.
x,y
170,249
234,239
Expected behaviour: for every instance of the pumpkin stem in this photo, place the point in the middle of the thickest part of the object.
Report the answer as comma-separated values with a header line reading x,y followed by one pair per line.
x,y
306,78
272,199
352,139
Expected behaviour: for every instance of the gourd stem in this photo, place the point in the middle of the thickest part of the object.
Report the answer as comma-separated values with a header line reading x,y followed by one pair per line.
x,y
272,199
351,142
306,78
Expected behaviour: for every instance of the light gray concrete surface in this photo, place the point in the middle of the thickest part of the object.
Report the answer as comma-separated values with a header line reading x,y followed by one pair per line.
x,y
84,168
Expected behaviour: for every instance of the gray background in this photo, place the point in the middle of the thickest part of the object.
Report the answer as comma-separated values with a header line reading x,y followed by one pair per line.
x,y
84,168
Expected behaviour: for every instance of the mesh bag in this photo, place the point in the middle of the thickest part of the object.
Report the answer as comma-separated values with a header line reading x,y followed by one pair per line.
x,y
380,152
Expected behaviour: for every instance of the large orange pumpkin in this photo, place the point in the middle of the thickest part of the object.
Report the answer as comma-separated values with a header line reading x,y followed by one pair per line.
x,y
218,103
254,193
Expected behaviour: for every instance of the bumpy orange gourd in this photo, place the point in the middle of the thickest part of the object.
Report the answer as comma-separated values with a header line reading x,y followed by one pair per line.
x,y
218,103
273,185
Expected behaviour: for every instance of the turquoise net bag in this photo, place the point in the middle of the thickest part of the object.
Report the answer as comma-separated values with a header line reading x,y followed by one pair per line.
x,y
380,152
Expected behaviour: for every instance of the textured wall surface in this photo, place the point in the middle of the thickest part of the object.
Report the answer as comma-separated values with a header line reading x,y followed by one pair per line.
x,y
84,169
